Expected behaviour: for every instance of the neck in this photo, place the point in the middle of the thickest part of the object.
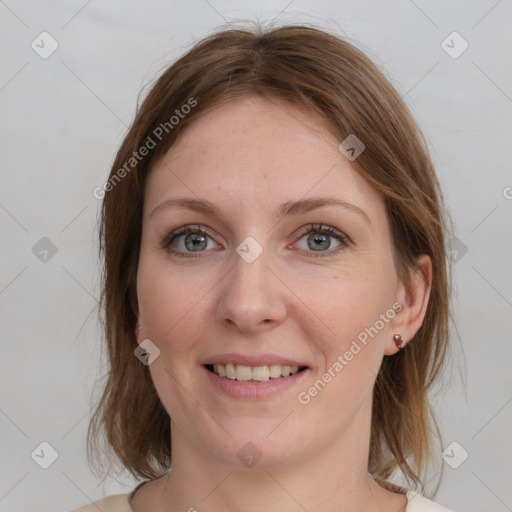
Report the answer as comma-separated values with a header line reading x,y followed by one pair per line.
x,y
332,478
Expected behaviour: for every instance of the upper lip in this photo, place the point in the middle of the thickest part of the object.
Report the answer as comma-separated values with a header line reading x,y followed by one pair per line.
x,y
253,360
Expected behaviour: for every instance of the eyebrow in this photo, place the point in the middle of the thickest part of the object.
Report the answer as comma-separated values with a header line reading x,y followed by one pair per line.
x,y
288,208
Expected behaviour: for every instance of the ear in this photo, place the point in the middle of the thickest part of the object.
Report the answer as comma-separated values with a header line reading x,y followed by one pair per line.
x,y
414,301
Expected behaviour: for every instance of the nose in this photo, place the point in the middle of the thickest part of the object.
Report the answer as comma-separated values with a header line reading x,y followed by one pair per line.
x,y
253,298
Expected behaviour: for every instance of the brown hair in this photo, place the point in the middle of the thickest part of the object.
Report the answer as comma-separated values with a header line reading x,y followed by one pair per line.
x,y
323,73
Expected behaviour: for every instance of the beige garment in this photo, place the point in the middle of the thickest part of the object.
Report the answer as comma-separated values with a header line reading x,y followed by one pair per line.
x,y
120,503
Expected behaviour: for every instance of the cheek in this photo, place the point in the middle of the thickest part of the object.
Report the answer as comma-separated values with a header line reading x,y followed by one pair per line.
x,y
168,297
165,309
349,331
355,305
169,307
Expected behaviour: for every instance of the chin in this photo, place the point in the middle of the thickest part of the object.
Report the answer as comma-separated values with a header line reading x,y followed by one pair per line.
x,y
255,447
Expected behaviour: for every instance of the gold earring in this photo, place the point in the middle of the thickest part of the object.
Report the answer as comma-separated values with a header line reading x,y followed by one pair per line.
x,y
398,341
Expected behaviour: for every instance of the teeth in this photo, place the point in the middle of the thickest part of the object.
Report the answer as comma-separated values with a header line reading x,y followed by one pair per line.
x,y
243,372
230,371
274,371
258,373
219,369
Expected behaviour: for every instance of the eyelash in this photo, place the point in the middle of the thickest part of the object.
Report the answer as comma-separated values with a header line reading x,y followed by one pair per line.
x,y
311,228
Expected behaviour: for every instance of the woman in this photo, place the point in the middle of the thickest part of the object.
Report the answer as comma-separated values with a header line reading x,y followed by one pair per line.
x,y
275,285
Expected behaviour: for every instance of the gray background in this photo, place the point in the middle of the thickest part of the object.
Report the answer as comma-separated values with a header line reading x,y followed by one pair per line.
x,y
62,119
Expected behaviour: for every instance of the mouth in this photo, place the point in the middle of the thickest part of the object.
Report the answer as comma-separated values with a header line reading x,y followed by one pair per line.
x,y
260,373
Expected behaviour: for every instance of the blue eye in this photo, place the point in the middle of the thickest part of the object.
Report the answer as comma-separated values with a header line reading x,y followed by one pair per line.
x,y
195,240
319,239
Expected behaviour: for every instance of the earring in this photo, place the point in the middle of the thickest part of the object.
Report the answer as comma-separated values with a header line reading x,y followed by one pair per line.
x,y
398,341
138,330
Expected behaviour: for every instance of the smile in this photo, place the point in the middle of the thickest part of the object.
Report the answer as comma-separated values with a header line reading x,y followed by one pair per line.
x,y
259,373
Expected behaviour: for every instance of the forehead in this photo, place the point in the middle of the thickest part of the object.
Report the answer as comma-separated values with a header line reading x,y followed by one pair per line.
x,y
261,152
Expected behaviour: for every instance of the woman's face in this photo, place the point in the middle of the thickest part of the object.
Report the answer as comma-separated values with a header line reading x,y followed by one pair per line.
x,y
264,289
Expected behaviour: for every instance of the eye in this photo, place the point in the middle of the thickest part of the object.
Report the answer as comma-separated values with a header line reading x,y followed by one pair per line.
x,y
319,239
194,239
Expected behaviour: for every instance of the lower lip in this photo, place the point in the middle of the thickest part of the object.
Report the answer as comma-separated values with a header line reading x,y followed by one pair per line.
x,y
253,389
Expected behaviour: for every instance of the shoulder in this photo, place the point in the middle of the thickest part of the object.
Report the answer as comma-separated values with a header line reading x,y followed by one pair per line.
x,y
120,503
418,503
114,503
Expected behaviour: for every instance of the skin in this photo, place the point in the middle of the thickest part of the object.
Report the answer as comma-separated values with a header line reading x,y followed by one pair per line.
x,y
247,157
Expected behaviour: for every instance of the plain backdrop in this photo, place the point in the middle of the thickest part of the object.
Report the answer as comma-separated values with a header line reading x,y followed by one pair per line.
x,y
63,116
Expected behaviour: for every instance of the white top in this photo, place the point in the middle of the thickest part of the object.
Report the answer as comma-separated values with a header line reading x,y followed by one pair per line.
x,y
120,503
